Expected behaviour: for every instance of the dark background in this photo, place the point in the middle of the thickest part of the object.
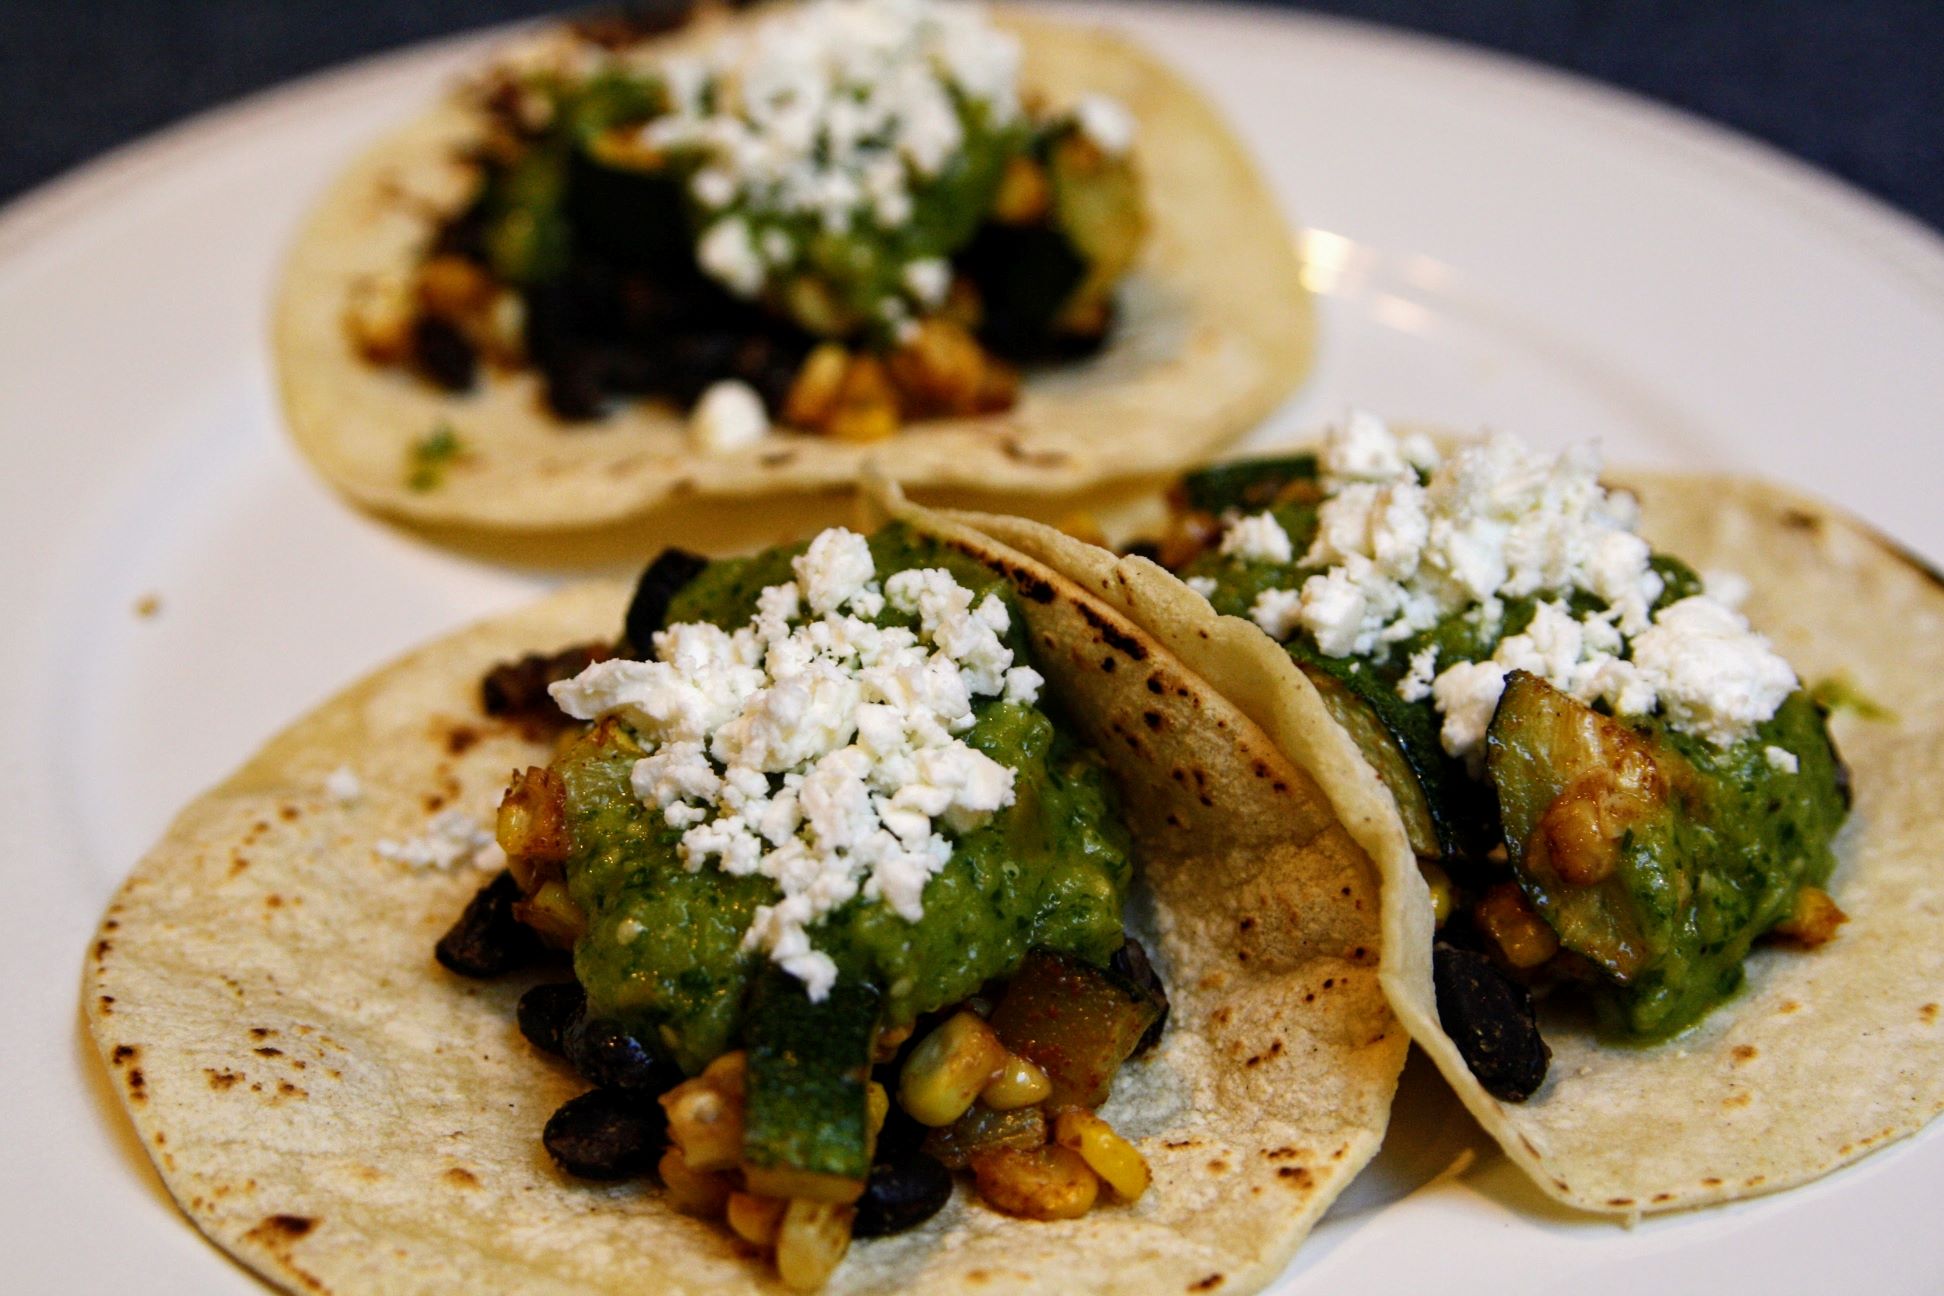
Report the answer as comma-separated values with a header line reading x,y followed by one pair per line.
x,y
1855,86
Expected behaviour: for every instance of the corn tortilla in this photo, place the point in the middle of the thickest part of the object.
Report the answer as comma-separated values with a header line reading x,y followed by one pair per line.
x,y
1825,1055
1214,330
340,1114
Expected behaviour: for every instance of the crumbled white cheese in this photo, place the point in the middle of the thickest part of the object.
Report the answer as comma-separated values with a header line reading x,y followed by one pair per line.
x,y
1106,123
1203,585
730,415
1278,612
816,748
1259,538
834,111
343,785
1715,676
728,251
452,838
1407,539
928,280
1416,684
1781,759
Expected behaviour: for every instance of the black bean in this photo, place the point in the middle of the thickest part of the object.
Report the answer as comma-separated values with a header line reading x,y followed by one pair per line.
x,y
608,1056
546,1011
901,1135
902,1194
576,382
445,355
606,1134
663,580
488,940
1131,961
518,689
1490,1018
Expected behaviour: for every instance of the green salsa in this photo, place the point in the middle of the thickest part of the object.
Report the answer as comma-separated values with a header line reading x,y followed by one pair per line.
x,y
1716,847
662,949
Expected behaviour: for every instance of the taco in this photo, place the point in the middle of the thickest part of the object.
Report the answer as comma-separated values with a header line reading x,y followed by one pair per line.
x,y
786,1030
1666,943
997,253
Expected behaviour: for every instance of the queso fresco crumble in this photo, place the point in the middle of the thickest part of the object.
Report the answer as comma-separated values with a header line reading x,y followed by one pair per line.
x,y
1408,537
814,747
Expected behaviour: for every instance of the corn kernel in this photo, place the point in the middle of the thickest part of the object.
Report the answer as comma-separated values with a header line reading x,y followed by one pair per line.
x,y
705,1123
553,913
1018,1084
754,1219
1440,884
1044,1183
813,392
1521,935
866,408
378,319
889,1041
1119,1163
453,287
1024,194
692,1191
810,1243
728,1075
945,1073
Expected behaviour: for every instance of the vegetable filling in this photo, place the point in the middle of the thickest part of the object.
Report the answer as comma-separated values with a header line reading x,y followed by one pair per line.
x,y
1614,786
842,897
846,218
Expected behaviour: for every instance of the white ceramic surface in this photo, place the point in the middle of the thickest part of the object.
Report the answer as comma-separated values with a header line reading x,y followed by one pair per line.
x,y
1493,244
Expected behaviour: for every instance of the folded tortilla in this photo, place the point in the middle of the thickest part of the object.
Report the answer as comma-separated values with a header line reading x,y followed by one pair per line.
x,y
1214,330
1825,1055
340,1113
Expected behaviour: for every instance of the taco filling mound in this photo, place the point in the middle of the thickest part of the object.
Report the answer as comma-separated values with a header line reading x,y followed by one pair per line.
x,y
814,899
1629,911
1612,784
784,237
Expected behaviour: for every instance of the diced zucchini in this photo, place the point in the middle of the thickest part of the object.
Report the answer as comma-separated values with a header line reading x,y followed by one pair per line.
x,y
981,1129
1445,814
1098,205
806,1123
1587,805
1657,855
527,234
1076,1022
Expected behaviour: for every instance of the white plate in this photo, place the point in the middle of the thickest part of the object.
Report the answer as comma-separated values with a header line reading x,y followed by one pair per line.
x,y
1493,243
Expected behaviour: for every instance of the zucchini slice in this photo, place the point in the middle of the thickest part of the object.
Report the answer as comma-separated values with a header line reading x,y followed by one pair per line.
x,y
806,1119
1446,816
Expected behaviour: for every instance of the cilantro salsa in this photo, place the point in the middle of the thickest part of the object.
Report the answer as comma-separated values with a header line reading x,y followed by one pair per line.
x,y
1624,857
1050,871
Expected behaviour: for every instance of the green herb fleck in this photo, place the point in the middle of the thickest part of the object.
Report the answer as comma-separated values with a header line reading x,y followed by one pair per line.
x,y
427,461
